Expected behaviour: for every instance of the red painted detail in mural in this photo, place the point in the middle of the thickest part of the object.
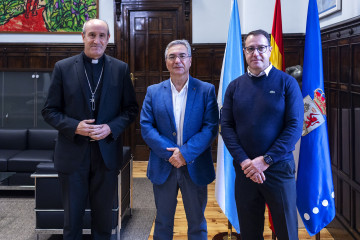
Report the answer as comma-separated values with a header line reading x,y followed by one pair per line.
x,y
34,23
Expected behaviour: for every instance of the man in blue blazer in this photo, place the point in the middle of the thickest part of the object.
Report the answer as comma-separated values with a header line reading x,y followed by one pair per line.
x,y
91,101
179,121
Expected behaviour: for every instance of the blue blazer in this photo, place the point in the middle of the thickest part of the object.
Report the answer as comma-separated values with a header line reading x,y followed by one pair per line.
x,y
200,128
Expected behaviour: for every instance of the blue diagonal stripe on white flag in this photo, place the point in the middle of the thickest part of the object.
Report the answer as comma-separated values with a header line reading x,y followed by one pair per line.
x,y
233,67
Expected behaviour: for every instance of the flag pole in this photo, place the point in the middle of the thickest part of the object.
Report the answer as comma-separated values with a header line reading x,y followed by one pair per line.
x,y
229,235
229,230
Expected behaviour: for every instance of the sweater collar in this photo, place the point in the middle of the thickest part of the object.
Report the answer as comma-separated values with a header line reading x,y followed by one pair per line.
x,y
265,72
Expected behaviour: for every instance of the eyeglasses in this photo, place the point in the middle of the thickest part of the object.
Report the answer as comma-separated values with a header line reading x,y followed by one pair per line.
x,y
260,49
182,57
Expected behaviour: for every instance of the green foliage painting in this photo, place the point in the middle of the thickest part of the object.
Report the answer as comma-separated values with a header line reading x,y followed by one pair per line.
x,y
46,15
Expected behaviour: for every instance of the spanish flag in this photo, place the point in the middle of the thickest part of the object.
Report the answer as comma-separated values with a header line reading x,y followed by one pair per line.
x,y
277,54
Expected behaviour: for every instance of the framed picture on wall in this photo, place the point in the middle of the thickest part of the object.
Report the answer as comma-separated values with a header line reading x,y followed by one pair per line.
x,y
46,16
327,7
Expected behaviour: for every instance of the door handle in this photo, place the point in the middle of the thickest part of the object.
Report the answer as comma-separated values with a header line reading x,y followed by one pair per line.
x,y
133,78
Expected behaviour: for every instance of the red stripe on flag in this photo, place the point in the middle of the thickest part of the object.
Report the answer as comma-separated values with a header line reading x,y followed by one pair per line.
x,y
277,31
278,49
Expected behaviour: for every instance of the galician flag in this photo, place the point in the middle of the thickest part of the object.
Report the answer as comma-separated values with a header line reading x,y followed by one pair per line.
x,y
233,67
315,190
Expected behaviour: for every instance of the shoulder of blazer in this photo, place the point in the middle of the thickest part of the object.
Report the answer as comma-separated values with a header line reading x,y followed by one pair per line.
x,y
70,60
198,83
159,86
113,60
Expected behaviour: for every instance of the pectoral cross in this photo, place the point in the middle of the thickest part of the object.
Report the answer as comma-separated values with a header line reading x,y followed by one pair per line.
x,y
92,100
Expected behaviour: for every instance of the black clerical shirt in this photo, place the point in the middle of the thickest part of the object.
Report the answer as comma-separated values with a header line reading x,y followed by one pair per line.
x,y
93,72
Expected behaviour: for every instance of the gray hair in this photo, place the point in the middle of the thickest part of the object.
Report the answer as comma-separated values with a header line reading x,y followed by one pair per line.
x,y
84,26
177,42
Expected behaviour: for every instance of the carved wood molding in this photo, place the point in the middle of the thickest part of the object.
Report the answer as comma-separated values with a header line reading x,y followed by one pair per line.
x,y
342,30
187,9
117,9
37,56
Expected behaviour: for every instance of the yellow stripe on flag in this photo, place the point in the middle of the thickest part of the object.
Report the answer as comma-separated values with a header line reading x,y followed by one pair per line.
x,y
276,57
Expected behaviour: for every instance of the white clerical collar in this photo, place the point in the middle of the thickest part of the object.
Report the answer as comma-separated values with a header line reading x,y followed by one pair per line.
x,y
94,61
265,72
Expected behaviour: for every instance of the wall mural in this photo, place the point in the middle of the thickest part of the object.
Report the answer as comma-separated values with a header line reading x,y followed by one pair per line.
x,y
46,16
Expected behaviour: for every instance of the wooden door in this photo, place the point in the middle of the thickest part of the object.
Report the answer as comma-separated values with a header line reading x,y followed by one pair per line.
x,y
143,30
150,32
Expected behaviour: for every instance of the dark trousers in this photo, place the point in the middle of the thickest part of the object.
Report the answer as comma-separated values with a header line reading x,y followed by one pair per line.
x,y
194,199
278,191
91,181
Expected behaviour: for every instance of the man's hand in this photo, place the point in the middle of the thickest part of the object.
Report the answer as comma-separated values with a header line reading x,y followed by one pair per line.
x,y
100,131
254,169
84,127
96,132
177,159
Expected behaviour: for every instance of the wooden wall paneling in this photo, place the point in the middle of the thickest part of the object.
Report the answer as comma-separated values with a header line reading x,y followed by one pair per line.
x,y
122,20
356,136
346,201
357,211
207,62
356,63
345,132
333,124
38,57
356,161
344,55
341,55
336,182
293,49
333,64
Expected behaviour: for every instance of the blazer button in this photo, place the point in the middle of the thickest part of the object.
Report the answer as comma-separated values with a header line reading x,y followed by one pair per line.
x,y
174,133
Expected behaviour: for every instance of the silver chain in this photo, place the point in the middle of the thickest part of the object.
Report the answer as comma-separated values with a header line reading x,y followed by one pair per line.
x,y
92,100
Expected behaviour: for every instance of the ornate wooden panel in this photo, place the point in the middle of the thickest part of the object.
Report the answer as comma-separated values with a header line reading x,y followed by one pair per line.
x,y
207,62
293,49
341,58
38,57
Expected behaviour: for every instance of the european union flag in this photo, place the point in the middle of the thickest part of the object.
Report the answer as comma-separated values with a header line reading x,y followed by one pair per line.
x,y
315,190
233,67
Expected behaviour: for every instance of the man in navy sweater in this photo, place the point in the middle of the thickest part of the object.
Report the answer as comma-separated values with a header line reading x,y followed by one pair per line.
x,y
262,119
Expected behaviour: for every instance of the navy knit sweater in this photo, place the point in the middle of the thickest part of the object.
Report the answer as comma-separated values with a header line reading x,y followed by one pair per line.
x,y
262,115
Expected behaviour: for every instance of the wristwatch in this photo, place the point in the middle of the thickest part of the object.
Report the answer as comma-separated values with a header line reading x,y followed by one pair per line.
x,y
268,159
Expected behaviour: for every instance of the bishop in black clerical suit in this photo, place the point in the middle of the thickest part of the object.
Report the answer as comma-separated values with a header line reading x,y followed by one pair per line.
x,y
91,101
